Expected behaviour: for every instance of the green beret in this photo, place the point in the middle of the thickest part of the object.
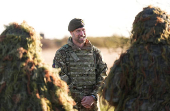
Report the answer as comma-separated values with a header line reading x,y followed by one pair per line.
x,y
75,23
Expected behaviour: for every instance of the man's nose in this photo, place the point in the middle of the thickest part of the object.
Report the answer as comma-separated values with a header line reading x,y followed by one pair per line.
x,y
82,33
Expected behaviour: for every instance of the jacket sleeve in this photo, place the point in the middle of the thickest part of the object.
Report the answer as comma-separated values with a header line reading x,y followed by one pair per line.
x,y
59,62
101,69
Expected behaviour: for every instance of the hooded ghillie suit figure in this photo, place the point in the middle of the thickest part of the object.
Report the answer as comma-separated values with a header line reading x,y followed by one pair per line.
x,y
26,83
140,79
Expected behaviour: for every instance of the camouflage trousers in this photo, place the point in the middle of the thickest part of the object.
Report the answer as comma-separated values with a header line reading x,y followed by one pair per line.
x,y
78,95
79,107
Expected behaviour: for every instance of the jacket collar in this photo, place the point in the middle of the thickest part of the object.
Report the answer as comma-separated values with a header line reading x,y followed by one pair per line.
x,y
87,45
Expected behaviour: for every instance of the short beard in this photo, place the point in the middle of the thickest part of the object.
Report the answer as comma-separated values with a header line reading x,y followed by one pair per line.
x,y
81,41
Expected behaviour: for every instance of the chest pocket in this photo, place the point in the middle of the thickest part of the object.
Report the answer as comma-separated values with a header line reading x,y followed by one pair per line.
x,y
82,68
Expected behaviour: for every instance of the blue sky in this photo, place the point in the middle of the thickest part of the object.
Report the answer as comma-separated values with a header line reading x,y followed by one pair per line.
x,y
101,17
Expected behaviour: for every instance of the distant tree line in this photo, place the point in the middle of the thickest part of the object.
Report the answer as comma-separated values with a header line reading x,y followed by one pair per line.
x,y
102,42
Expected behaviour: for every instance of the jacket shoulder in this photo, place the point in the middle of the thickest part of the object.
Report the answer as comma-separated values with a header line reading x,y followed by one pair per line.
x,y
65,48
96,50
61,51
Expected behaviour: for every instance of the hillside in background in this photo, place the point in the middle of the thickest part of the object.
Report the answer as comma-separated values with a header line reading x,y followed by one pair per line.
x,y
101,42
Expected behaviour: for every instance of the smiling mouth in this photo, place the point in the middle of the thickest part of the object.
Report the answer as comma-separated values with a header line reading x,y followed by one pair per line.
x,y
82,37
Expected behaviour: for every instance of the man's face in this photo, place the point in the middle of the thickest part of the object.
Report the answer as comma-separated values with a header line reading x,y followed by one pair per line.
x,y
79,35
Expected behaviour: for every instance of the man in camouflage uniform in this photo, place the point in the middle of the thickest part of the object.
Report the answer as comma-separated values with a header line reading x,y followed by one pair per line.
x,y
81,66
140,79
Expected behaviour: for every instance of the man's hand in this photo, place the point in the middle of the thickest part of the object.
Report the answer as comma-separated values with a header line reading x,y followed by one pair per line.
x,y
87,101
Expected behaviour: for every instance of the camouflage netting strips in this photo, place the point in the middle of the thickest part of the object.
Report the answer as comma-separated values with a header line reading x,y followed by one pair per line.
x,y
26,83
151,25
143,72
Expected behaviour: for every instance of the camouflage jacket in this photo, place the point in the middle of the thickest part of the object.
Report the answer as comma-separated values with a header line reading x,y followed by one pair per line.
x,y
139,79
61,62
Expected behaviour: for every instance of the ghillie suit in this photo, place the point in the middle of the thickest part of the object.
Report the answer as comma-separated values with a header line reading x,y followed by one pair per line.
x,y
140,79
26,83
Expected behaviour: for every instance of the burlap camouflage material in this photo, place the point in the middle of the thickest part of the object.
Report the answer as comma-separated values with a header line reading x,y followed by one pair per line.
x,y
82,69
140,79
26,83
